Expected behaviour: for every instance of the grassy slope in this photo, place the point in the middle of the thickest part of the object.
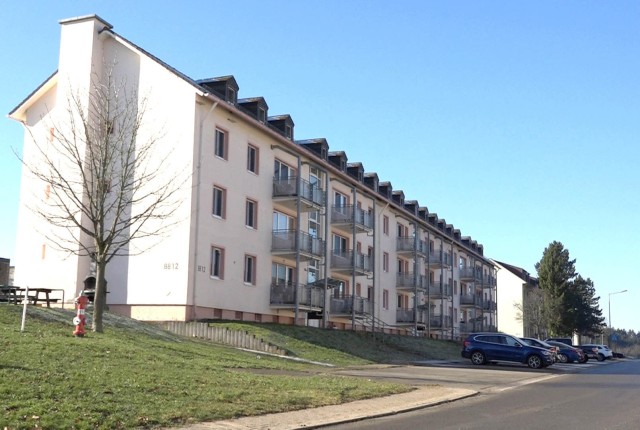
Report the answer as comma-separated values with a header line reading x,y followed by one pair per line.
x,y
144,377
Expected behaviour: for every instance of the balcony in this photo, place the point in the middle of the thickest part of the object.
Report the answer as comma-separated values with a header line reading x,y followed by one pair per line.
x,y
408,282
407,316
285,192
345,305
344,262
489,281
469,300
347,217
471,274
282,295
408,246
489,306
438,321
438,291
439,260
470,327
283,243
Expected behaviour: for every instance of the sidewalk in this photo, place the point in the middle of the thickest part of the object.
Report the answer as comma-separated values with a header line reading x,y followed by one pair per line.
x,y
422,397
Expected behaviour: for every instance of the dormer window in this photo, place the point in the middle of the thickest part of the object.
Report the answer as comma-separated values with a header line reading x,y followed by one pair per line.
x,y
231,95
262,115
287,132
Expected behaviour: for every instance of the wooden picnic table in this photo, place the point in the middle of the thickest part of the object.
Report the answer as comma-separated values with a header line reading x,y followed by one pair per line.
x,y
16,295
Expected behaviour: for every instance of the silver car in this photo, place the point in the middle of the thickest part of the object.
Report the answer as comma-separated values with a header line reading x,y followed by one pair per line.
x,y
598,351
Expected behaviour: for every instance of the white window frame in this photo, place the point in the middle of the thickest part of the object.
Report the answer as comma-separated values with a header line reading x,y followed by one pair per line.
x,y
216,270
253,156
250,262
219,204
221,143
251,214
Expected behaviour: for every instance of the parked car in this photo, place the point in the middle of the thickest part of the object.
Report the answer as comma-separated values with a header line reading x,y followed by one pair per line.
x,y
565,340
482,348
532,341
598,351
568,353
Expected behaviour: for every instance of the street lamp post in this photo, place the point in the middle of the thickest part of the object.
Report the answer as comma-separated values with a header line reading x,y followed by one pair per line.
x,y
610,325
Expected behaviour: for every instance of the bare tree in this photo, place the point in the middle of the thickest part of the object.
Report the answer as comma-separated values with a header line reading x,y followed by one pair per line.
x,y
108,176
531,312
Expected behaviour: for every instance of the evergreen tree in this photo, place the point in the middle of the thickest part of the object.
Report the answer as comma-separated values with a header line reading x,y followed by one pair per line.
x,y
582,311
555,273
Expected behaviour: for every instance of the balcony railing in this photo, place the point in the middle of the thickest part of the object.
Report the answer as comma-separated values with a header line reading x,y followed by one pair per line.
x,y
345,305
406,316
408,281
471,274
438,321
284,242
437,290
312,195
346,216
344,261
470,327
489,281
470,300
439,259
490,306
283,294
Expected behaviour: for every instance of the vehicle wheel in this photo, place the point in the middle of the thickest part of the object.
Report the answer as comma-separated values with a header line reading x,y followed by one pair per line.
x,y
585,359
477,358
600,357
562,358
534,362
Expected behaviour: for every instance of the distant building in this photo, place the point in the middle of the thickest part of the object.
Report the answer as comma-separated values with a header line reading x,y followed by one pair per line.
x,y
5,271
276,228
516,301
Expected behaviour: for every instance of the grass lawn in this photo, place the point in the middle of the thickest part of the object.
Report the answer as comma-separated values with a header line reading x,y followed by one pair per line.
x,y
135,375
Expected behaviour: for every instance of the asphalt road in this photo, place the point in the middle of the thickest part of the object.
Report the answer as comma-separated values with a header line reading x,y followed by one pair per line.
x,y
597,396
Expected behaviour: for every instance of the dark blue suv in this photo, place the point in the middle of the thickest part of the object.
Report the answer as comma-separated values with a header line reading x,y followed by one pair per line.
x,y
487,347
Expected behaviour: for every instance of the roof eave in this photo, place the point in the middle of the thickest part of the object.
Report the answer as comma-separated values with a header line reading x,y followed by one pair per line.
x,y
19,113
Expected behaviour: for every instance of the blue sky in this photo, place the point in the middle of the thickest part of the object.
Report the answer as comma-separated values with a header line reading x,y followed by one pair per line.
x,y
518,123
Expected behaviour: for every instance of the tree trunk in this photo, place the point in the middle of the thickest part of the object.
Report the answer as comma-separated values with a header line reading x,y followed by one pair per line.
x,y
100,297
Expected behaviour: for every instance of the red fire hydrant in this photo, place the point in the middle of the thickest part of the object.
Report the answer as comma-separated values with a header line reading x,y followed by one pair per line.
x,y
79,320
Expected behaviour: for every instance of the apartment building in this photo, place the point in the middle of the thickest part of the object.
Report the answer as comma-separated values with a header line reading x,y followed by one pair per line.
x,y
519,301
276,229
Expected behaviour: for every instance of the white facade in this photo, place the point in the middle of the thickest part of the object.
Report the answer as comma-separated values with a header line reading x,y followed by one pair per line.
x,y
515,287
263,216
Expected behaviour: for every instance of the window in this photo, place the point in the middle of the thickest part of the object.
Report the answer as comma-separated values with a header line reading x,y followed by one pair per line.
x,y
312,271
262,115
385,225
219,202
400,301
282,221
358,290
281,274
340,200
252,159
282,171
385,261
385,299
340,244
249,269
231,95
370,293
251,214
221,144
403,266
217,262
